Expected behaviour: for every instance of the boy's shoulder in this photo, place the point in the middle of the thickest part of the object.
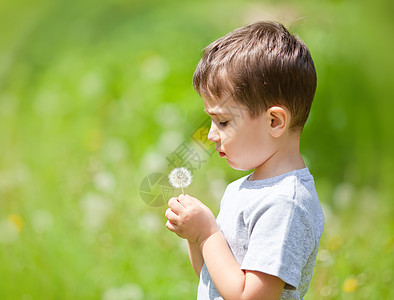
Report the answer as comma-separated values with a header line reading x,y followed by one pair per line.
x,y
235,185
289,178
295,187
293,192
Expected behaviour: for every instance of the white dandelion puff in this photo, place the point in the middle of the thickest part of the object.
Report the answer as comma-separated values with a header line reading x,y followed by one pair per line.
x,y
180,178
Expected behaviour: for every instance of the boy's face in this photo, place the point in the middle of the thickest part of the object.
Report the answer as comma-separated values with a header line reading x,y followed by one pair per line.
x,y
244,142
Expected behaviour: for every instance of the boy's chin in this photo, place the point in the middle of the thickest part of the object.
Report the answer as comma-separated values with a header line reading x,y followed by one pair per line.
x,y
238,167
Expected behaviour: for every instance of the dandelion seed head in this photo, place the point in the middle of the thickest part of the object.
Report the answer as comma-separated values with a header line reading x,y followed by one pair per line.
x,y
180,178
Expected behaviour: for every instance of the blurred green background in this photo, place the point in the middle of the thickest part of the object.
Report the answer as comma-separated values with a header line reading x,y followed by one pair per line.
x,y
97,95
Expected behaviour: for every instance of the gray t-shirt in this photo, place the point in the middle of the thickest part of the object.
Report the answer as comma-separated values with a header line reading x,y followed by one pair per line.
x,y
272,226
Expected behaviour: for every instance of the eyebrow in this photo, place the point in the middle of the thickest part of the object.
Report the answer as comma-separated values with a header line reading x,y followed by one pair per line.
x,y
212,113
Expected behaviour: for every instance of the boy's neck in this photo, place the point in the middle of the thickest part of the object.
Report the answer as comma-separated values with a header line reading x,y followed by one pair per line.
x,y
286,158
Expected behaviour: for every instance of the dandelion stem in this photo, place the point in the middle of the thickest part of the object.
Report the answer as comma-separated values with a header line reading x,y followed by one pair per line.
x,y
183,191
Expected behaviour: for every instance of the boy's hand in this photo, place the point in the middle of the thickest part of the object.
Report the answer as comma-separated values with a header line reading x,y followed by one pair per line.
x,y
190,219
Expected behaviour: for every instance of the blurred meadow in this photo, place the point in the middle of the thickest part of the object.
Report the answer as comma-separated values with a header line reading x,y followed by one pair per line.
x,y
96,100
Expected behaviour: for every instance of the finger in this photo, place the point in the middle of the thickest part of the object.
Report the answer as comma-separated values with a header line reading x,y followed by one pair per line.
x,y
196,201
175,205
171,216
170,226
186,200
172,199
192,198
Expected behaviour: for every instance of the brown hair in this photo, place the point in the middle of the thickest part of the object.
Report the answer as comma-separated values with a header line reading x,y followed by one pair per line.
x,y
260,65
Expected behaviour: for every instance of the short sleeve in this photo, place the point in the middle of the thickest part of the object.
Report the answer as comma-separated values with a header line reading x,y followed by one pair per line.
x,y
281,239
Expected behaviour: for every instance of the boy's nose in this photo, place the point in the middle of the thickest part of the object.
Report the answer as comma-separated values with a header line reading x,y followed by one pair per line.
x,y
213,134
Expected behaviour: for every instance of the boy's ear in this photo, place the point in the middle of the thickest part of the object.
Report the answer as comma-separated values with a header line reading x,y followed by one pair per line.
x,y
279,118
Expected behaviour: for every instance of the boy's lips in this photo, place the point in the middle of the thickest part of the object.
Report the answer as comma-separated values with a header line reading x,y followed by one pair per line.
x,y
222,154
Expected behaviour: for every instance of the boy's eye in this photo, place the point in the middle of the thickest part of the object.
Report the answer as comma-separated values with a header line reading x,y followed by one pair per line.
x,y
223,124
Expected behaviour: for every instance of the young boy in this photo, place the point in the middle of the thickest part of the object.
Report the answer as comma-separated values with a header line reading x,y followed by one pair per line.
x,y
257,84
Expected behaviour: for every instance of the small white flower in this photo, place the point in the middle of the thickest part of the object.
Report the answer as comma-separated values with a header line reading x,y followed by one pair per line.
x,y
130,291
104,181
8,232
42,220
95,211
180,178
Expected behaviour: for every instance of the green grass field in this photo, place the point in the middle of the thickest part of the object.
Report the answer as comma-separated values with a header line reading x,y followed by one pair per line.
x,y
96,95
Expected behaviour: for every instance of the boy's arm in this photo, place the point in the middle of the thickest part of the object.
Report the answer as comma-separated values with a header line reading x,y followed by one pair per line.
x,y
191,219
195,256
230,280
